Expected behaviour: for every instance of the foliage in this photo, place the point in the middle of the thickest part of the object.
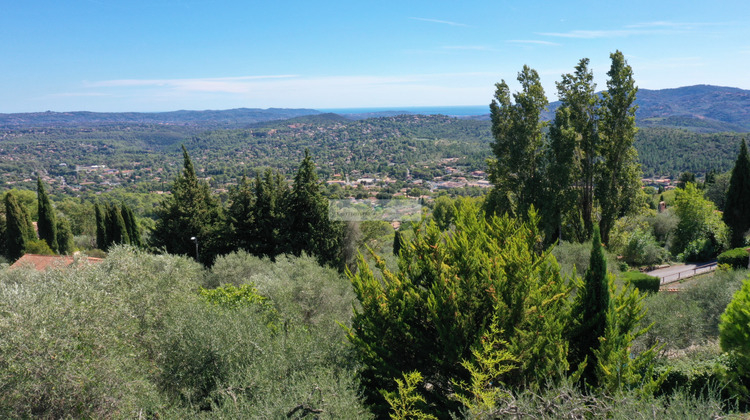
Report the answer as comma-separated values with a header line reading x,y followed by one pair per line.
x,y
516,170
230,296
308,227
191,211
616,367
589,313
618,180
65,242
491,362
430,314
101,227
642,281
574,147
574,258
397,243
736,258
734,331
18,230
737,207
406,403
700,230
47,222
38,247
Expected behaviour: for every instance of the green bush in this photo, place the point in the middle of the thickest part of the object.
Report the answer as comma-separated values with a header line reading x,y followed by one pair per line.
x,y
699,250
737,258
642,248
642,281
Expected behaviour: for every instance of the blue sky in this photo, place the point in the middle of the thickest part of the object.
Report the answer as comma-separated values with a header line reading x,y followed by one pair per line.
x,y
161,55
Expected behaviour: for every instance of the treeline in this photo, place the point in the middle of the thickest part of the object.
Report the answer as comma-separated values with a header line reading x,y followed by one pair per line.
x,y
265,217
583,166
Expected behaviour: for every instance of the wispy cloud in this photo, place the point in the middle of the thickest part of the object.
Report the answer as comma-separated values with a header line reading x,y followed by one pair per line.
x,y
218,84
444,22
672,25
469,48
643,28
584,34
533,42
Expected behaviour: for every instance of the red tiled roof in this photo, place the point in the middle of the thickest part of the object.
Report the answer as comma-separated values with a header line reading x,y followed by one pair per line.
x,y
43,262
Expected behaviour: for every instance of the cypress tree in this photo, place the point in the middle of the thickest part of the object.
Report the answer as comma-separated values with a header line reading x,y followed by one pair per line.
x,y
397,243
101,227
47,223
131,225
16,230
590,311
737,207
3,236
116,229
65,244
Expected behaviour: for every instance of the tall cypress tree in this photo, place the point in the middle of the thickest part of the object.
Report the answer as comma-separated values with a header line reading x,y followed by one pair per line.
x,y
590,311
47,223
397,243
16,230
101,227
131,225
116,229
737,207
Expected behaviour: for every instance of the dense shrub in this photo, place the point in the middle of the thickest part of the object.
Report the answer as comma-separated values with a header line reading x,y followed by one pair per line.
x,y
737,258
642,281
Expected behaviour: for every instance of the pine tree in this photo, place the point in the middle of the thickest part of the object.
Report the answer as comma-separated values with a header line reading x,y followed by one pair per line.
x,y
47,223
65,245
17,230
190,211
101,227
590,312
737,205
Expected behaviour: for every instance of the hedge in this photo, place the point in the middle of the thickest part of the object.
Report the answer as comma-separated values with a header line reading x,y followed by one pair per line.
x,y
737,258
643,282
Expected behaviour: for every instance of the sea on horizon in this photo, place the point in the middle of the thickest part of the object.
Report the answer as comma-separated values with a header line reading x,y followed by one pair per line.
x,y
467,110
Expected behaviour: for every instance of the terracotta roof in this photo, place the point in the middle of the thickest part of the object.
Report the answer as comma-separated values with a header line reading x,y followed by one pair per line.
x,y
43,262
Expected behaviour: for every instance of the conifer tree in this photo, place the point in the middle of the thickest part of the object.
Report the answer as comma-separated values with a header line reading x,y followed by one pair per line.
x,y
268,215
131,225
117,232
17,230
431,314
618,182
309,228
47,223
240,215
101,227
590,312
65,244
190,211
737,206
3,236
397,243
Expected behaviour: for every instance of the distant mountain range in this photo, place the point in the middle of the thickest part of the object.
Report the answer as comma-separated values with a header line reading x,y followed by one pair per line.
x,y
700,108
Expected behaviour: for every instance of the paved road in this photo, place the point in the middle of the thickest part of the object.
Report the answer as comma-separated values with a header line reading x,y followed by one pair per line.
x,y
681,271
